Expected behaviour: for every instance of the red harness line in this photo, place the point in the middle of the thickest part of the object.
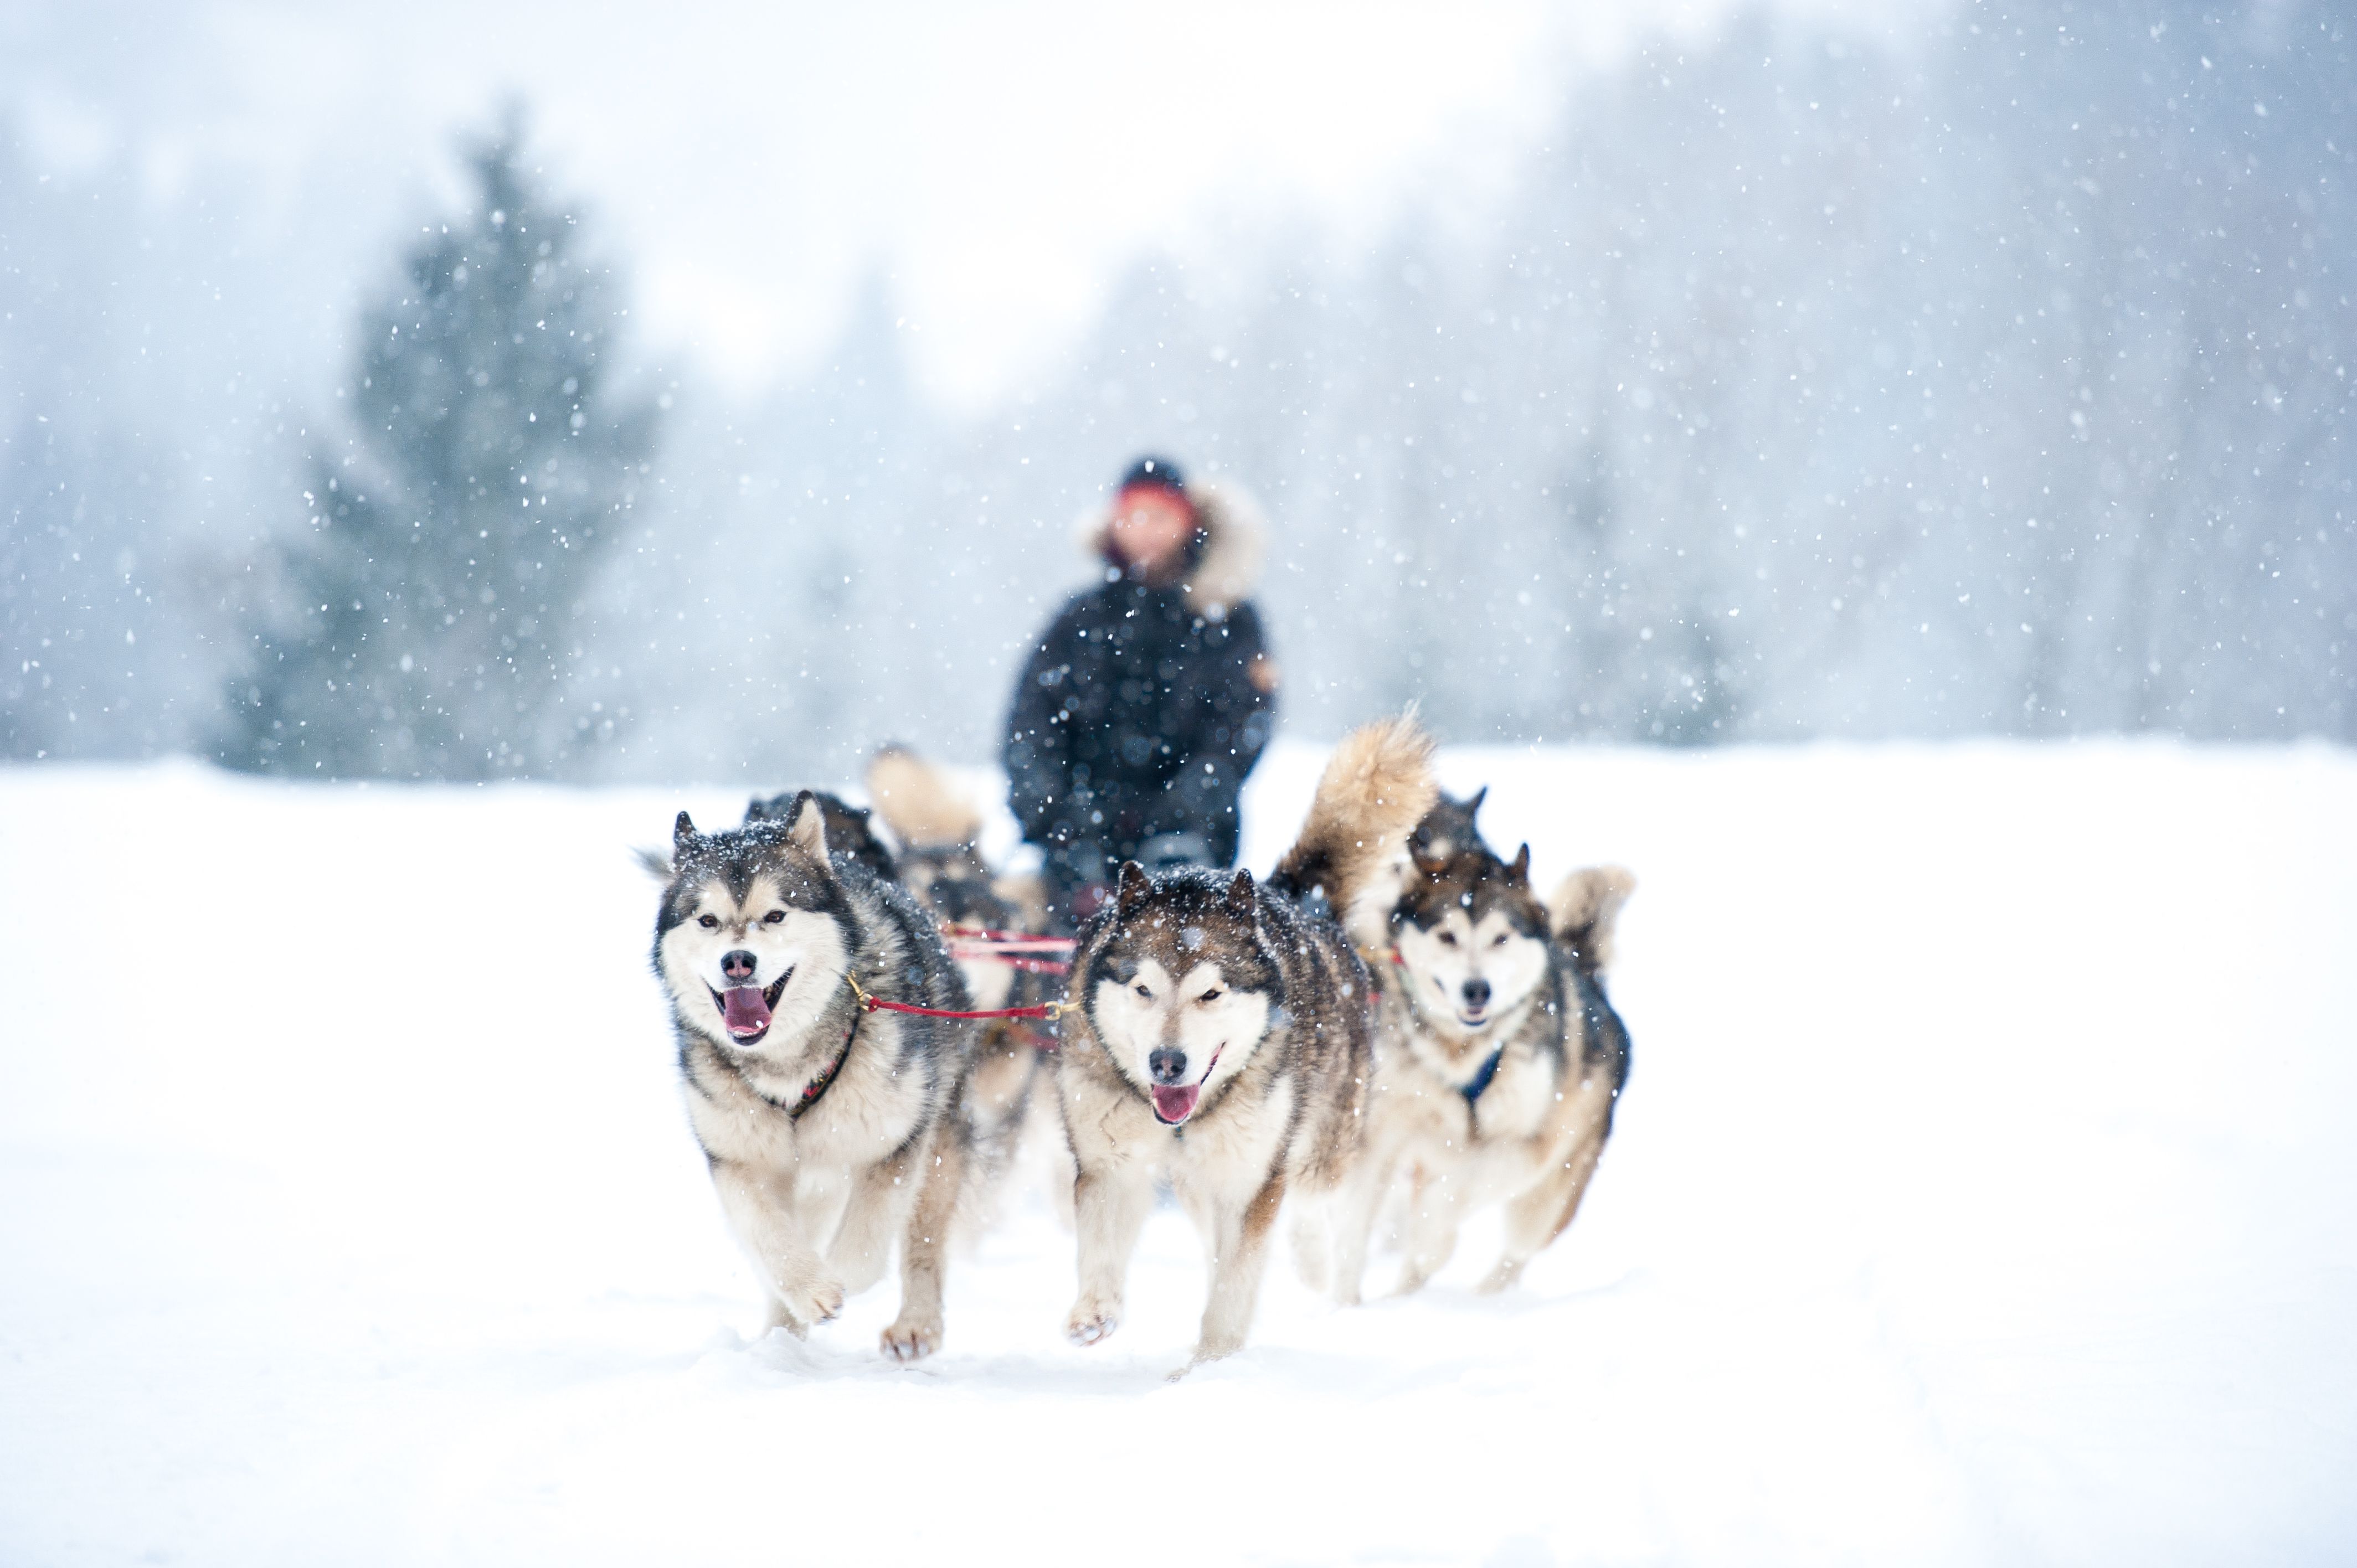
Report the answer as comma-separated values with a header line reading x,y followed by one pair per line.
x,y
873,1003
1032,1037
975,942
1045,1010
1006,947
1022,939
966,951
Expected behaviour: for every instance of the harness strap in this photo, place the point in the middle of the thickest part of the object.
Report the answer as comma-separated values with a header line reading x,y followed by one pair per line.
x,y
816,1091
964,954
1009,939
1489,1070
1015,950
870,1004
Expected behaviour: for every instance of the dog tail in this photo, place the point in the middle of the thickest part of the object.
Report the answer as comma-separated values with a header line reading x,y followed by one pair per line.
x,y
922,807
655,863
1377,786
1585,912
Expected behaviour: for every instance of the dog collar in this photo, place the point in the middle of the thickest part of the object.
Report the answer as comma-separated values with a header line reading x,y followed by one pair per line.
x,y
816,1091
1482,1076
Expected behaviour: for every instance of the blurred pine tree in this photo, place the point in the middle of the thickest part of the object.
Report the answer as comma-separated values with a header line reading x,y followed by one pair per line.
x,y
426,625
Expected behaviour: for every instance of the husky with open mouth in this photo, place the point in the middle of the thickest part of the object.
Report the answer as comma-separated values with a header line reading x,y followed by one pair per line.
x,y
831,1131
1223,1040
1499,1058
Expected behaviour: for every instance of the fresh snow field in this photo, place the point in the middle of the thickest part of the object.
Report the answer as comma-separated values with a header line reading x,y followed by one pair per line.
x,y
1986,1191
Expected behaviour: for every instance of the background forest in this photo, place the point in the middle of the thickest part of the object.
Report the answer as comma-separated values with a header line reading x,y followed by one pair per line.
x,y
1790,384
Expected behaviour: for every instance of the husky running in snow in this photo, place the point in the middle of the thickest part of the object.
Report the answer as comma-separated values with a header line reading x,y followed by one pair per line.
x,y
1499,1058
939,860
1223,1037
831,1131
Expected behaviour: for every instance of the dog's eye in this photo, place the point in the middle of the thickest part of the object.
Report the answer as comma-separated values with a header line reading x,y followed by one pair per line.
x,y
1211,995
1143,992
1448,939
1501,941
777,918
709,922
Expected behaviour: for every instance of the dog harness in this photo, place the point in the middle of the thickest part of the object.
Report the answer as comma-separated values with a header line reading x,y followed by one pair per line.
x,y
873,1003
816,1089
1472,1090
1482,1075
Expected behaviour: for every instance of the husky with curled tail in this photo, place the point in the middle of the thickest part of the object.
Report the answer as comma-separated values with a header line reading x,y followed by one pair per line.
x,y
1222,1040
1501,1059
832,1132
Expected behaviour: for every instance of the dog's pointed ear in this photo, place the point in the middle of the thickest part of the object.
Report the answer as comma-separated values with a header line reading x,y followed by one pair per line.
x,y
806,827
682,835
1240,892
1131,886
1519,872
1473,806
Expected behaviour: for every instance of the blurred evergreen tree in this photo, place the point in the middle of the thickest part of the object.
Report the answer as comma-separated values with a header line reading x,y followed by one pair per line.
x,y
428,615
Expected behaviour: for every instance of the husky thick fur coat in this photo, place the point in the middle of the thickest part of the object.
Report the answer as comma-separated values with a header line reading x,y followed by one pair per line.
x,y
1223,1040
831,1131
1499,1060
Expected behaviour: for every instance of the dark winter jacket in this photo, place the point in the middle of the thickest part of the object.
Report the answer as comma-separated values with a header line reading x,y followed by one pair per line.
x,y
1141,709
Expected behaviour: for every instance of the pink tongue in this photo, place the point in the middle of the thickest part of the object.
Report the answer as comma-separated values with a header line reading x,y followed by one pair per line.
x,y
1174,1104
748,1011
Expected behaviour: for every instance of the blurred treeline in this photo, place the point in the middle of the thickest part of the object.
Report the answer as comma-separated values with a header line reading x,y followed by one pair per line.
x,y
1793,388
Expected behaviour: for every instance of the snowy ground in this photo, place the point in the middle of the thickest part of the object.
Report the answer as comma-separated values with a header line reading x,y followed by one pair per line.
x,y
1983,1194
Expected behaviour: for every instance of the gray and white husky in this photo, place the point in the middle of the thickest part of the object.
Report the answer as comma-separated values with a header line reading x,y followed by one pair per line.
x,y
831,1131
1500,1059
1223,1040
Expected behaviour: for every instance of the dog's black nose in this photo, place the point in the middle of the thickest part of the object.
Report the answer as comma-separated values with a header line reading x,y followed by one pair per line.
x,y
1166,1066
739,966
1476,993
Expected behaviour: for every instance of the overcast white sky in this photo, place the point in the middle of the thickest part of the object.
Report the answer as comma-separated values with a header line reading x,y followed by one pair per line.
x,y
752,162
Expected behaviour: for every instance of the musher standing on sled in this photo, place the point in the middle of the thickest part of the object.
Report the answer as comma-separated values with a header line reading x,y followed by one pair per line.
x,y
1148,699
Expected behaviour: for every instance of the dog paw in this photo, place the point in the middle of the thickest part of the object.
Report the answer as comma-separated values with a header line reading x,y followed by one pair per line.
x,y
1091,1322
909,1340
1504,1277
815,1302
1215,1350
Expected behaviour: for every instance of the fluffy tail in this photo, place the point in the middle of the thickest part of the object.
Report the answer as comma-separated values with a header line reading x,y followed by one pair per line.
x,y
922,807
1585,912
1377,786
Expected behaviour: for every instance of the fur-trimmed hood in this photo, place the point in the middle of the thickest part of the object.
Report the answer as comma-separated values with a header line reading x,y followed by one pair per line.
x,y
1235,540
